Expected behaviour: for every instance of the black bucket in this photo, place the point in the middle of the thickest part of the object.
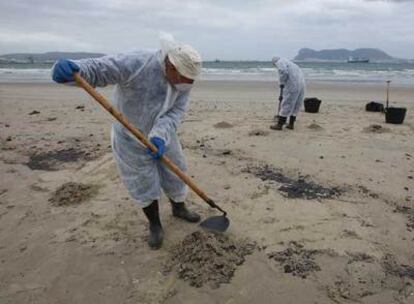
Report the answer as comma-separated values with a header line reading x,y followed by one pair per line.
x,y
374,107
312,105
395,115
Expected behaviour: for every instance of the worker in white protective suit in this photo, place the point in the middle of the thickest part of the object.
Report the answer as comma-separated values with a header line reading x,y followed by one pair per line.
x,y
292,92
152,91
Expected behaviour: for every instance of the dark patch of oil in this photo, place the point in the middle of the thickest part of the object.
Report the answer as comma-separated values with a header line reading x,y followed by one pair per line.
x,y
207,258
49,161
360,257
296,260
364,190
72,194
391,266
294,188
409,214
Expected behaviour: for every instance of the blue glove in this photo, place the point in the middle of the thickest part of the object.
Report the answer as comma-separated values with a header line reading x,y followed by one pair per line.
x,y
63,71
160,144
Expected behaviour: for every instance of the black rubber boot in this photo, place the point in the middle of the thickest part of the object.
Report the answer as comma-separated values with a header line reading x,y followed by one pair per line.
x,y
156,233
280,123
180,210
291,124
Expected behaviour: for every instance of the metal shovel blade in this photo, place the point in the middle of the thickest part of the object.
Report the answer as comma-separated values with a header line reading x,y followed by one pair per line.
x,y
218,223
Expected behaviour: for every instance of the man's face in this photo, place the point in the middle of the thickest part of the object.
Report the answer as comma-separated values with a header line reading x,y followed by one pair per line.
x,y
172,74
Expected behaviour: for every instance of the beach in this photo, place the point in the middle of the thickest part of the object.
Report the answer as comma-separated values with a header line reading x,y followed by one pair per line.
x,y
337,194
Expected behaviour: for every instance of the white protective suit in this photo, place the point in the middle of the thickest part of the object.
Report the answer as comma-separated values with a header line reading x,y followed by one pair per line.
x,y
291,76
152,104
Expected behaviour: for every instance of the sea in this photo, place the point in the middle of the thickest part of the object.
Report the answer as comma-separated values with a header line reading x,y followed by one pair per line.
x,y
398,73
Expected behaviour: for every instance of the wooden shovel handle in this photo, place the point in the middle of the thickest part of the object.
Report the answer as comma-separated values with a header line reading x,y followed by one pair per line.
x,y
141,137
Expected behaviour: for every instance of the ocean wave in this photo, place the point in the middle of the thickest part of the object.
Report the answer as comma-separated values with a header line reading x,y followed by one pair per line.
x,y
402,75
265,73
24,75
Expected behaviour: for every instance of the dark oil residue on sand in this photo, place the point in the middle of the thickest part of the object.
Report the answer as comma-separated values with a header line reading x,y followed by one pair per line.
x,y
72,194
409,214
208,258
296,260
49,161
391,266
294,188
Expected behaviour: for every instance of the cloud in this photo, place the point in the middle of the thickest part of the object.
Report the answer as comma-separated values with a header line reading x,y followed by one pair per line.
x,y
219,29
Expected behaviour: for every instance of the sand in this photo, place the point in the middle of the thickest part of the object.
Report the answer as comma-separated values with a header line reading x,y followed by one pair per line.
x,y
71,194
349,240
206,257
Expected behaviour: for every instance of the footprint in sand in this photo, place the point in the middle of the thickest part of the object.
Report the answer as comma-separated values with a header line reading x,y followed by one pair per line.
x,y
223,125
376,129
315,127
258,132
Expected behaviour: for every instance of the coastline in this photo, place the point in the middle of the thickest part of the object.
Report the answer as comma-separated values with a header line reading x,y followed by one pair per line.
x,y
265,91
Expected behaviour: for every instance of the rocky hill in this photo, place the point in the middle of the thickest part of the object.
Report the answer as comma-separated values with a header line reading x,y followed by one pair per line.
x,y
342,54
47,57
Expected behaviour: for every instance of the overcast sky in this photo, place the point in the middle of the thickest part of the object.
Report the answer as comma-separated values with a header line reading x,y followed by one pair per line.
x,y
224,29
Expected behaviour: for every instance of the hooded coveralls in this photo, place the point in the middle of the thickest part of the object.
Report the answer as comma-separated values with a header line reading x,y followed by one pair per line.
x,y
150,103
291,76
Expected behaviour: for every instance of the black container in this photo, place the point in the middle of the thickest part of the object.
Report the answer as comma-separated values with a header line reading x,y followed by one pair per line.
x,y
395,115
374,107
312,105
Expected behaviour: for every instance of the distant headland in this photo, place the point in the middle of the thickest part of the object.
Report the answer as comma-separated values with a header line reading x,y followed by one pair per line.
x,y
370,54
45,57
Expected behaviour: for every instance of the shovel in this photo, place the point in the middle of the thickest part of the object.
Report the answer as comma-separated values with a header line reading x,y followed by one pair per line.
x,y
280,102
218,223
388,93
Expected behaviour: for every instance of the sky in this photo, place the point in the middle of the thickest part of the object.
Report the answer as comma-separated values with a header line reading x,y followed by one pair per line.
x,y
219,29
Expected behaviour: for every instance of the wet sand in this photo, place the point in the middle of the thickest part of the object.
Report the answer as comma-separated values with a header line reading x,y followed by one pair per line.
x,y
329,206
